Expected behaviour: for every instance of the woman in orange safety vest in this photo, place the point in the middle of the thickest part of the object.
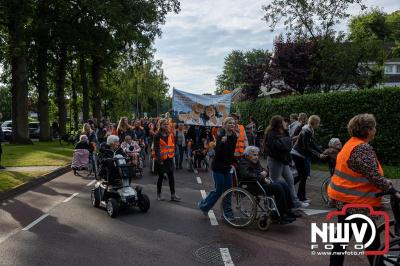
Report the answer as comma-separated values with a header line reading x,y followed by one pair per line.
x,y
163,154
357,178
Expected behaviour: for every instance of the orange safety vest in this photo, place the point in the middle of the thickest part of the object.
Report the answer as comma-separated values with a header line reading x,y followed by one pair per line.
x,y
167,150
240,145
351,187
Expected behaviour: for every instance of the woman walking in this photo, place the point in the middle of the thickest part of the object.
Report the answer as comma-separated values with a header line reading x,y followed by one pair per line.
x,y
306,146
180,142
221,164
163,154
279,145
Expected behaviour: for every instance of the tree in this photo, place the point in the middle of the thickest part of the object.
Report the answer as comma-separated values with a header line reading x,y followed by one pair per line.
x,y
233,75
293,62
14,21
309,18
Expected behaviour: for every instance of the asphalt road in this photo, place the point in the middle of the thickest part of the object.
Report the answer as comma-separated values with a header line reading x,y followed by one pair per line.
x,y
55,224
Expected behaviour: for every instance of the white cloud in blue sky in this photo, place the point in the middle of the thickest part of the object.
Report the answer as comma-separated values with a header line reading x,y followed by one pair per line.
x,y
195,41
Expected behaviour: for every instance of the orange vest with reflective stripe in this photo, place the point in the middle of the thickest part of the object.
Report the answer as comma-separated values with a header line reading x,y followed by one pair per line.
x,y
351,187
167,150
240,145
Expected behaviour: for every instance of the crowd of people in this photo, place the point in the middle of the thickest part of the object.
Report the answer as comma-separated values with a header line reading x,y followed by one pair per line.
x,y
287,143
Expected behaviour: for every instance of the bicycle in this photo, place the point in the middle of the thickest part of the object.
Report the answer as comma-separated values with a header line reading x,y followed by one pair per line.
x,y
324,189
393,255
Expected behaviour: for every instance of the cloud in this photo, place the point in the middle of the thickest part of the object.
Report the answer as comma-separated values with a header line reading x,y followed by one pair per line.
x,y
196,41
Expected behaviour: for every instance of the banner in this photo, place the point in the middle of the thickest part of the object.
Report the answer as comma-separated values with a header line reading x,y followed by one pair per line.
x,y
202,110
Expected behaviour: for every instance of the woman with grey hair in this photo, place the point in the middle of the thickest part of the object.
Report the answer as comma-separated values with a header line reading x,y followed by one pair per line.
x,y
250,169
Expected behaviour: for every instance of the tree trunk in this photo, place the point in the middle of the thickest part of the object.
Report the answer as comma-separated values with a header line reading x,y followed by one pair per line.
x,y
60,89
96,75
85,88
74,102
43,90
19,73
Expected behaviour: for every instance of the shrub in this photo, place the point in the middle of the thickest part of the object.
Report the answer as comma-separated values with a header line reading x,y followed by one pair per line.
x,y
335,110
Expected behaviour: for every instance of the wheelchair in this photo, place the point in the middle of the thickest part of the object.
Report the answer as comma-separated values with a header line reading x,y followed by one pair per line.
x,y
246,202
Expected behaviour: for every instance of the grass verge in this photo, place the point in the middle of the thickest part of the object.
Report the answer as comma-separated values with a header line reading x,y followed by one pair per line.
x,y
11,179
38,154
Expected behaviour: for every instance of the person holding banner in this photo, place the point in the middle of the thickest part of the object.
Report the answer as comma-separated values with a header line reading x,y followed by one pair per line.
x,y
222,164
163,154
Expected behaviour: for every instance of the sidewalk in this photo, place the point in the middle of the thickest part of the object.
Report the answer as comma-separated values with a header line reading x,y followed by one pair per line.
x,y
31,168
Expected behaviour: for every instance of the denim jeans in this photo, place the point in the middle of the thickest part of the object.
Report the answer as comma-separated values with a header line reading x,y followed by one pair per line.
x,y
278,170
223,182
179,156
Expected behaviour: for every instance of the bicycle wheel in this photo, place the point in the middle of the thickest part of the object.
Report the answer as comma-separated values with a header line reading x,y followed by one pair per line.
x,y
324,189
238,207
381,230
392,257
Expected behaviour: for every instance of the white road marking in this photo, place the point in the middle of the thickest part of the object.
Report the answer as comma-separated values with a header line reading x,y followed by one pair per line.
x,y
32,224
91,183
70,197
212,217
226,257
310,212
198,180
203,193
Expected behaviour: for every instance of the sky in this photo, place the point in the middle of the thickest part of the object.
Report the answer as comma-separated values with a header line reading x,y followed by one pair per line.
x,y
195,42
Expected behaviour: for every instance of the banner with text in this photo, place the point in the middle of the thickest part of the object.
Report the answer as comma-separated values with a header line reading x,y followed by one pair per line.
x,y
202,110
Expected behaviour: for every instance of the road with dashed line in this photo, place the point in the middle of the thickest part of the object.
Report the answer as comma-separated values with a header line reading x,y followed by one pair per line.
x,y
55,224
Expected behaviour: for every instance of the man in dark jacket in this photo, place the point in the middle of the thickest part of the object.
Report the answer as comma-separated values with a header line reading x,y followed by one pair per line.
x,y
1,140
250,169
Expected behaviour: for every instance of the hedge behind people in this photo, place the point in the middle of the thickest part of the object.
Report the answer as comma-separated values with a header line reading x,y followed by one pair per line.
x,y
335,110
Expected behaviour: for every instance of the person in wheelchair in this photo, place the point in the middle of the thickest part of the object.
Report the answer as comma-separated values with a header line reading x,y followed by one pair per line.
x,y
108,169
132,149
250,169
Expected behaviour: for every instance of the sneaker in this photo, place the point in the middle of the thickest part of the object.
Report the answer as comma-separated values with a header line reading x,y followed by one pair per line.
x,y
2,167
306,200
204,212
175,198
301,205
160,197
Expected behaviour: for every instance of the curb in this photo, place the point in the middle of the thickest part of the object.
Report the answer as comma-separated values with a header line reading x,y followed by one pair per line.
x,y
34,183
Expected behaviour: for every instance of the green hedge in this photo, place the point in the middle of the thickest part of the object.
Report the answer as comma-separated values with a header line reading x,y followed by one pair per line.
x,y
335,110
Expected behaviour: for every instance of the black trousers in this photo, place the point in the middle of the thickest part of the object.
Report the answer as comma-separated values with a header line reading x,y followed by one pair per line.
x,y
166,168
281,193
301,176
337,260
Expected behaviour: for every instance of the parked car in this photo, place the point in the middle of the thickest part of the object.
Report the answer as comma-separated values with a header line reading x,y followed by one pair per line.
x,y
7,129
33,128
